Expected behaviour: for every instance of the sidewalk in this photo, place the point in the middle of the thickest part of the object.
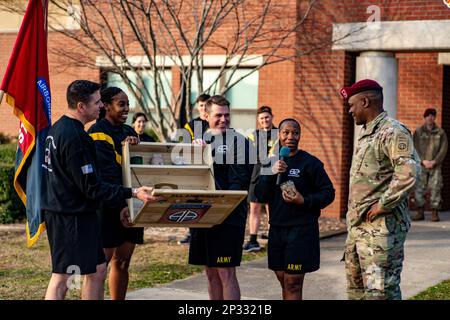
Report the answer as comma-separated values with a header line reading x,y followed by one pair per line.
x,y
427,262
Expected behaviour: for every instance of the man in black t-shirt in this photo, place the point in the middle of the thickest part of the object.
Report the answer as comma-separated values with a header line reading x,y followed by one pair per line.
x,y
71,192
219,249
293,247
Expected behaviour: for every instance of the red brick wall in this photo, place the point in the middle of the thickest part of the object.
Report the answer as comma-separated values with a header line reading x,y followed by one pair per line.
x,y
325,124
276,89
419,87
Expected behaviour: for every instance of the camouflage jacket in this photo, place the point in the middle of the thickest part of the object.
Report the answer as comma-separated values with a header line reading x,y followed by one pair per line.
x,y
384,169
431,144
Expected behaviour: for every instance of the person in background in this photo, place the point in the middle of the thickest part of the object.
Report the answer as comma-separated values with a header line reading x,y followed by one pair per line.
x,y
139,122
264,141
431,144
294,246
198,126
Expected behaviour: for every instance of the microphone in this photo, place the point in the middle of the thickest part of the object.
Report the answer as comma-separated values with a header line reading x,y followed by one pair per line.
x,y
284,153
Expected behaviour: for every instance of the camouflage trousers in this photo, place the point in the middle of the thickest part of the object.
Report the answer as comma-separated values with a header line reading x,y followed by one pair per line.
x,y
374,256
431,179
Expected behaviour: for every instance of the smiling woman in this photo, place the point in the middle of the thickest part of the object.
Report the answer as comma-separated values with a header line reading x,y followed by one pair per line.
x,y
109,133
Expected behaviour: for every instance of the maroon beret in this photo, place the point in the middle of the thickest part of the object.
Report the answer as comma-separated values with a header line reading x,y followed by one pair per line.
x,y
429,111
360,86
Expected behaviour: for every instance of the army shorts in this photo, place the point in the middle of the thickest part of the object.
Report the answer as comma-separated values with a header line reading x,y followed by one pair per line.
x,y
374,253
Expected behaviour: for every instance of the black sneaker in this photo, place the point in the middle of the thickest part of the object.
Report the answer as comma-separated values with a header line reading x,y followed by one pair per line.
x,y
252,247
264,236
185,240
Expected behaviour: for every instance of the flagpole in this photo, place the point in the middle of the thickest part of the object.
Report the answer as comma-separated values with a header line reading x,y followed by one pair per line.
x,y
1,95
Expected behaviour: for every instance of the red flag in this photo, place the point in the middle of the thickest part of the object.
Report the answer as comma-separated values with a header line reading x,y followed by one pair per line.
x,y
26,85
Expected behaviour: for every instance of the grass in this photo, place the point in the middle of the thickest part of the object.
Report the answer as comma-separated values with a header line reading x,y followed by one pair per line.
x,y
441,291
24,273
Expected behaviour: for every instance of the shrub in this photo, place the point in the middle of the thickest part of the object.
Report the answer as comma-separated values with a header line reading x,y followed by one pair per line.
x,y
11,207
7,154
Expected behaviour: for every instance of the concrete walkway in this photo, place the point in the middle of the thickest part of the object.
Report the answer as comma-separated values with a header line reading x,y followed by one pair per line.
x,y
427,262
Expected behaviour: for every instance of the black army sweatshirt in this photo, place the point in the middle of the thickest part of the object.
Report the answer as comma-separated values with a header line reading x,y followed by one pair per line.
x,y
108,142
310,179
232,170
108,145
71,183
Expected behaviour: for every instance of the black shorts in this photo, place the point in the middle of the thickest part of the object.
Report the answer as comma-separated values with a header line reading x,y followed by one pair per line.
x,y
75,242
294,250
114,234
251,191
219,246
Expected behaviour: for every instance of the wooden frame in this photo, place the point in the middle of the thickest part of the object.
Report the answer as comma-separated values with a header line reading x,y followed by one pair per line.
x,y
191,199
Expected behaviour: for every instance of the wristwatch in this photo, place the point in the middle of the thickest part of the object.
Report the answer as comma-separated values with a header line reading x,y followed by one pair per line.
x,y
134,192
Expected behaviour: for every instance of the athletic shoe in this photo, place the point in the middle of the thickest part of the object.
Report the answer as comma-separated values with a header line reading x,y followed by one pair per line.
x,y
252,247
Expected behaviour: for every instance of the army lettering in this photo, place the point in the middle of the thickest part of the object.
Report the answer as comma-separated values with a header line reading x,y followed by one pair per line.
x,y
294,267
223,259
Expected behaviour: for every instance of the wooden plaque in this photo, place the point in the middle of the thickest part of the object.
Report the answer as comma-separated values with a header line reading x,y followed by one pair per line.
x,y
184,175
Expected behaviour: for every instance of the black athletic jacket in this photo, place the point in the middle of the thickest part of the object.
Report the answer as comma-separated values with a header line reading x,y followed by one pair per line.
x,y
71,182
310,179
190,126
108,144
234,176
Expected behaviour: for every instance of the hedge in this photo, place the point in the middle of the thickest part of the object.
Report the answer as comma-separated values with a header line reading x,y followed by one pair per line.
x,y
11,207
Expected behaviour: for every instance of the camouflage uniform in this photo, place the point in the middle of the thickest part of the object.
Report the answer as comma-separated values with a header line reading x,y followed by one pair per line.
x,y
430,145
384,169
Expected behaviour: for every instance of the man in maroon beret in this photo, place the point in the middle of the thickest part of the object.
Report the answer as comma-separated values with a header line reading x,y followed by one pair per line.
x,y
431,144
360,86
384,170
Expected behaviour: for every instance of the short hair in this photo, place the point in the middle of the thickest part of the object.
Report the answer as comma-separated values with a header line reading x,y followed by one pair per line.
x,y
137,115
202,98
264,109
217,99
430,111
282,122
375,96
80,91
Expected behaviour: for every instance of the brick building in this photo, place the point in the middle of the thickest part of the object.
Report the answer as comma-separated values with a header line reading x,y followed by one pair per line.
x,y
405,46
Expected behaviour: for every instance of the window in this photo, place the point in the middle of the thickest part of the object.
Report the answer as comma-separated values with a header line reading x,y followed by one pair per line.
x,y
243,96
115,80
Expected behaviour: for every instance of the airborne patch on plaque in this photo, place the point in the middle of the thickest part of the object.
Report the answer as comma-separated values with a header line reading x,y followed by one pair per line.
x,y
184,213
402,145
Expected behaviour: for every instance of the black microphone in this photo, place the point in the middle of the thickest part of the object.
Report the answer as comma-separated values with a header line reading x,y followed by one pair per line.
x,y
284,153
